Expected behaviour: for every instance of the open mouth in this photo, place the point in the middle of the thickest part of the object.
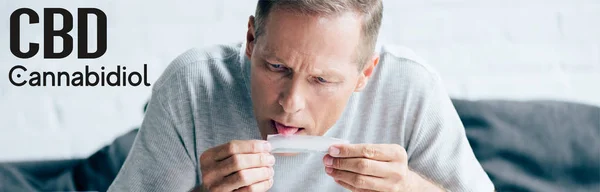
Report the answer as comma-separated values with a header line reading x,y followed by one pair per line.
x,y
284,129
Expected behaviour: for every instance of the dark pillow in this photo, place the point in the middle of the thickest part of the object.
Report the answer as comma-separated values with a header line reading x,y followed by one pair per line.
x,y
95,173
98,171
535,145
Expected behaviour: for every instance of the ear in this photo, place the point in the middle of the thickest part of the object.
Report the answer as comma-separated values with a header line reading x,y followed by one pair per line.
x,y
366,72
250,37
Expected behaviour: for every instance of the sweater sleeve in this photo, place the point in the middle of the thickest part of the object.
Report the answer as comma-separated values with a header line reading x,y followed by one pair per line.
x,y
161,158
438,147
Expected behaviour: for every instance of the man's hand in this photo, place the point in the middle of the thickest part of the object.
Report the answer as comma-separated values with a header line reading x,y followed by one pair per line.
x,y
373,167
238,166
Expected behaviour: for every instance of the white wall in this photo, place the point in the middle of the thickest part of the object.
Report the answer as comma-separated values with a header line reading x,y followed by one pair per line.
x,y
508,49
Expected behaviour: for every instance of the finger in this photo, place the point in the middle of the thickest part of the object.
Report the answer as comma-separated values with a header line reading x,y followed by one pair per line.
x,y
260,186
239,162
362,166
236,163
380,152
351,188
244,178
239,147
356,180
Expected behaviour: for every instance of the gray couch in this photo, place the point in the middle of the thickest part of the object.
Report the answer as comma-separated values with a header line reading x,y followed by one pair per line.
x,y
523,146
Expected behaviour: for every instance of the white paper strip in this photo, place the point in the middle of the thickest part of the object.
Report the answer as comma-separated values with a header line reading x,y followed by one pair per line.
x,y
302,143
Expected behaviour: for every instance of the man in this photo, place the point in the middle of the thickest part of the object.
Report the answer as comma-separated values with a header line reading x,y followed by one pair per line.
x,y
310,68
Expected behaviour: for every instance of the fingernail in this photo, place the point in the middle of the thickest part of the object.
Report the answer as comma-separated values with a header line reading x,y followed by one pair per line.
x,y
328,169
272,172
334,151
271,159
328,161
267,146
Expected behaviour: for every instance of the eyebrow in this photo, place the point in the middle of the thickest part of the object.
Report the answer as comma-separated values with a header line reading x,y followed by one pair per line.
x,y
273,57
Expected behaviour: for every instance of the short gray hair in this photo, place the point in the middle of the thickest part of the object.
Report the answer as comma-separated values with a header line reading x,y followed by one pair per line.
x,y
370,10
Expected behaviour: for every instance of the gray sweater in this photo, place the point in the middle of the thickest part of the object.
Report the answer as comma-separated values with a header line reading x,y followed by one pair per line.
x,y
203,100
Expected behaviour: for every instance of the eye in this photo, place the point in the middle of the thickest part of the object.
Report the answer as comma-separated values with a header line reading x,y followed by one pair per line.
x,y
276,67
322,80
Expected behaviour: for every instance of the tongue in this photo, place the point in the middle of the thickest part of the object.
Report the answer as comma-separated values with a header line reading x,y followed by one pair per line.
x,y
284,130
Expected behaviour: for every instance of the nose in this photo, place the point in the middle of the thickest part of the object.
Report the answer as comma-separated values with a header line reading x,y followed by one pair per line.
x,y
292,100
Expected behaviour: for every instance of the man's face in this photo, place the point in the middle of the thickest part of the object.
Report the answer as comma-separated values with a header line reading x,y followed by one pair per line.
x,y
303,71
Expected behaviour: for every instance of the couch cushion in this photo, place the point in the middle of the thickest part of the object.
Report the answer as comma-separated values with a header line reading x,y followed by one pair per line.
x,y
95,173
535,145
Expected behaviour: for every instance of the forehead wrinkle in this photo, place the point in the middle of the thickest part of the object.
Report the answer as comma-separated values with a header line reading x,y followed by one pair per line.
x,y
285,38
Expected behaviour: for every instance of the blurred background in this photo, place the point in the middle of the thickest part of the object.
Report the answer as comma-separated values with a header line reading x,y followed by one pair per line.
x,y
492,49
